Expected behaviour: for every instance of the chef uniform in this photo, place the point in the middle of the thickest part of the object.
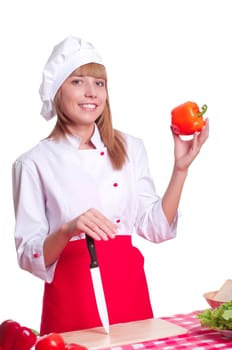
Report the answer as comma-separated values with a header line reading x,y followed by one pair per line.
x,y
55,182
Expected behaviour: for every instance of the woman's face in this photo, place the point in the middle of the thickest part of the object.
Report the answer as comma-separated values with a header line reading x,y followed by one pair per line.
x,y
82,99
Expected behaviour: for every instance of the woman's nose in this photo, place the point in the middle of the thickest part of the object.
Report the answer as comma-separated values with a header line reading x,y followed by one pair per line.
x,y
90,90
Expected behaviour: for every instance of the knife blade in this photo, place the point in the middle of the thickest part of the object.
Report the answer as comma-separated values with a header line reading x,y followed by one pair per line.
x,y
97,284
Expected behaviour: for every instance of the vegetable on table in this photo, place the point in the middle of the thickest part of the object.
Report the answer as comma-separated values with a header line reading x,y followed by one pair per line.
x,y
25,338
51,341
186,119
13,336
8,331
54,341
218,318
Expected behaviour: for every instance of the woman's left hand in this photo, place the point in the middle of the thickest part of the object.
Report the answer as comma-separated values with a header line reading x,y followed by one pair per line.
x,y
185,151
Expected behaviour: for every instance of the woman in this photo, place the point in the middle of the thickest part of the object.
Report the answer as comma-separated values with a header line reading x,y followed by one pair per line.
x,y
88,178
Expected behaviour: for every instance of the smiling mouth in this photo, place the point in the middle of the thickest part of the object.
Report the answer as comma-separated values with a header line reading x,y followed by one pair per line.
x,y
88,105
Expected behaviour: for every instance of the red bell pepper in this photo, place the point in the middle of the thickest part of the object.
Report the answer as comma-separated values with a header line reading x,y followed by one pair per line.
x,y
186,119
25,338
8,331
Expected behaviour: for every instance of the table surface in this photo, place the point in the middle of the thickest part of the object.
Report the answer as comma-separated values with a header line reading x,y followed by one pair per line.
x,y
197,337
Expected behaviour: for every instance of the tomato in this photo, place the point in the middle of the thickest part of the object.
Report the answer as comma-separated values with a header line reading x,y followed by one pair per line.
x,y
25,338
186,119
51,341
73,346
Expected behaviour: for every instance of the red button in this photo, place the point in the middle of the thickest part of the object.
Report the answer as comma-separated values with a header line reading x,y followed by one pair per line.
x,y
115,184
102,153
36,255
118,221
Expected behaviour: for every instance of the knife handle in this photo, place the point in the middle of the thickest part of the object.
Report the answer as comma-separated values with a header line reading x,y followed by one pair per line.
x,y
92,251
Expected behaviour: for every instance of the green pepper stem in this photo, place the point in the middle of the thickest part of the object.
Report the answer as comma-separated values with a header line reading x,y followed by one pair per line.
x,y
203,110
35,332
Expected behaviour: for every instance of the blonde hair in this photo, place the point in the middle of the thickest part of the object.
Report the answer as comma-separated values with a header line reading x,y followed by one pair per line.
x,y
112,138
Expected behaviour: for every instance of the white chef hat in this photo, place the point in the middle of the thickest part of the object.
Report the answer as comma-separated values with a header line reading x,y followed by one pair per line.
x,y
66,56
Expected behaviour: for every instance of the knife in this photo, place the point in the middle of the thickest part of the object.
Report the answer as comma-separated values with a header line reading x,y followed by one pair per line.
x,y
97,284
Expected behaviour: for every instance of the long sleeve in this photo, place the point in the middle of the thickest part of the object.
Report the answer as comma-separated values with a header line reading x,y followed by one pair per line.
x,y
31,223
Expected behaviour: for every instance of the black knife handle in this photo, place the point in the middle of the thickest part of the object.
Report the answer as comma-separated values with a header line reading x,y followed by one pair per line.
x,y
92,251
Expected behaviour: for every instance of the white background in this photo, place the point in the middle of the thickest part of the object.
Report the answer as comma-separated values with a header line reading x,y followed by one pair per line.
x,y
158,53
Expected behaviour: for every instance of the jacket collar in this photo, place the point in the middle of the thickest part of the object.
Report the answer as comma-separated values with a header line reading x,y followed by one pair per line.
x,y
96,140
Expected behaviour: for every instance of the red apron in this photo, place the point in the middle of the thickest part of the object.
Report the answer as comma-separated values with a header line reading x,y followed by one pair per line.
x,y
69,301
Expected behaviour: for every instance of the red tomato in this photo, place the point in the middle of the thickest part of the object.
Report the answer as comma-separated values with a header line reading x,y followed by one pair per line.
x,y
51,341
187,118
73,346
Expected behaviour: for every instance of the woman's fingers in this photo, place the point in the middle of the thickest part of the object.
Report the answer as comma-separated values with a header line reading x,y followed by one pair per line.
x,y
95,224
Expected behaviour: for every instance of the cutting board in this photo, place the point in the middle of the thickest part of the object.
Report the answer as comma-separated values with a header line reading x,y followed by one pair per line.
x,y
124,333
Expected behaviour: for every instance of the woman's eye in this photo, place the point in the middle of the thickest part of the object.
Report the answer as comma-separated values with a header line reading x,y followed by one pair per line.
x,y
76,81
100,83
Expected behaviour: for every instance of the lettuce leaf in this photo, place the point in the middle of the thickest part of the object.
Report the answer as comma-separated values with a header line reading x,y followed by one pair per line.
x,y
218,318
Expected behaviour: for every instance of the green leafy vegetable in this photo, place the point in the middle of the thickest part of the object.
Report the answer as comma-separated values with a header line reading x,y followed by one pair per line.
x,y
218,318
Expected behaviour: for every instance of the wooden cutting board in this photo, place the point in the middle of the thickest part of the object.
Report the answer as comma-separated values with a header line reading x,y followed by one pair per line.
x,y
124,333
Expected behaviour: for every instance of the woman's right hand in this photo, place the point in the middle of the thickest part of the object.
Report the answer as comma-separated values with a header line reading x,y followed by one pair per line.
x,y
93,223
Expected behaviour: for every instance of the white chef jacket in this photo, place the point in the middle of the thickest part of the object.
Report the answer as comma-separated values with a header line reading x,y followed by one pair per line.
x,y
55,182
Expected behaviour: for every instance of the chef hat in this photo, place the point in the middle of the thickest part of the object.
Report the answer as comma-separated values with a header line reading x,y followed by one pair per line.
x,y
67,56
